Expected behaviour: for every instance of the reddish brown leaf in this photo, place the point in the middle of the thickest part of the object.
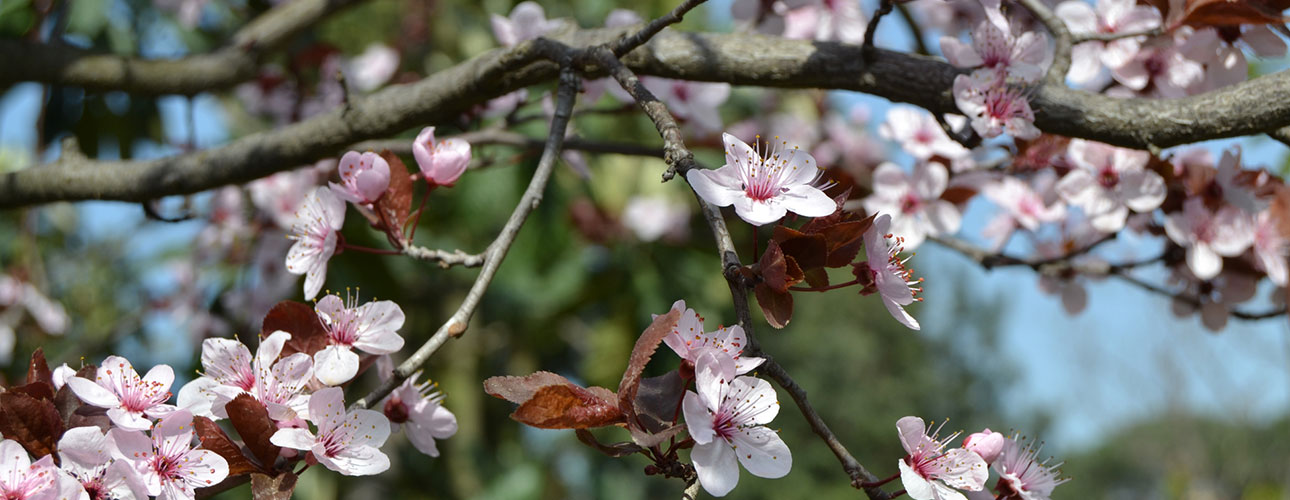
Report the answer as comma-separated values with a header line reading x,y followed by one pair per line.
x,y
1226,14
613,450
38,390
300,320
818,277
958,195
568,406
252,422
520,389
844,240
775,304
38,369
777,271
395,205
809,250
77,414
641,354
214,439
279,487
33,423
658,399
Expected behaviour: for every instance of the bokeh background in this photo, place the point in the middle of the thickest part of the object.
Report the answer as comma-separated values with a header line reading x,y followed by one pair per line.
x,y
1137,402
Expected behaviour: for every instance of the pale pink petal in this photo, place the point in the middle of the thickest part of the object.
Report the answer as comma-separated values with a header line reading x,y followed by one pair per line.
x,y
715,186
960,54
198,397
294,438
898,311
717,467
1143,190
1264,41
930,180
809,201
760,213
1202,260
204,468
698,418
1074,298
962,469
356,461
916,486
762,452
92,393
335,365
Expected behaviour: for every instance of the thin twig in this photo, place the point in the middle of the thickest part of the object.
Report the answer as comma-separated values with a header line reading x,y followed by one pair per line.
x,y
884,8
691,490
628,43
1078,38
500,137
445,258
679,159
1062,38
916,31
456,325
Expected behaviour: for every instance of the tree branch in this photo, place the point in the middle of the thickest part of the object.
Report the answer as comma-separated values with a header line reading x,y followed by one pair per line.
x,y
75,67
1256,106
629,43
1061,36
456,325
500,137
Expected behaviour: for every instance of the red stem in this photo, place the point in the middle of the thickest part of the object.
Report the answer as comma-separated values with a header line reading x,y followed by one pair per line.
x,y
377,251
824,288
416,221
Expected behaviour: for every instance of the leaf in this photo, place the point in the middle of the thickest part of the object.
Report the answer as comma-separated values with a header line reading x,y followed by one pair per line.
x,y
1224,14
77,414
776,305
279,487
396,203
817,278
658,400
777,271
520,389
214,439
809,250
38,390
844,240
613,450
253,424
641,354
38,369
567,406
33,423
647,440
958,195
307,332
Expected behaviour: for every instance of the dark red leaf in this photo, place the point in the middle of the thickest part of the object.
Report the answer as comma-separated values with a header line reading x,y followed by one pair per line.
x,y
300,320
77,414
520,389
395,205
641,354
38,390
38,369
279,487
658,400
844,240
777,271
33,423
775,304
817,278
568,406
809,250
214,439
958,195
253,424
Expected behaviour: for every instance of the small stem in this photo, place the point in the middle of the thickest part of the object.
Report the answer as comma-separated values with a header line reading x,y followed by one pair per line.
x,y
377,251
884,8
825,288
896,494
881,481
416,221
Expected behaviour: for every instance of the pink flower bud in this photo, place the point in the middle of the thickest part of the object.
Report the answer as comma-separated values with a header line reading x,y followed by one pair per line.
x,y
986,443
443,162
364,177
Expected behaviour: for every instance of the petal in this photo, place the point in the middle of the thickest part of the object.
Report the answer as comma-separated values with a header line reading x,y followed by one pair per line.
x,y
225,359
760,213
698,419
371,184
898,311
294,438
162,376
357,461
14,460
943,217
383,315
757,399
369,428
317,272
1110,221
271,347
198,396
930,180
92,393
915,485
1074,298
329,307
913,435
1142,190
808,201
961,469
1076,187
715,186
739,154
434,420
712,376
129,445
762,452
332,208
1264,42
87,446
327,408
335,365
1202,260
421,439
960,54
717,467
203,468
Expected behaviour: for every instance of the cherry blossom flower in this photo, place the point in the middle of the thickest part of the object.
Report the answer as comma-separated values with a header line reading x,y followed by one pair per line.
x,y
847,144
1271,246
727,419
1069,285
913,201
526,22
654,217
371,69
167,463
347,442
839,20
20,479
928,473
279,195
1221,51
130,401
316,233
61,374
919,134
689,340
1112,17
1022,475
694,103
363,176
1209,236
86,455
1214,298
443,162
894,282
993,106
763,188
987,443
1230,182
1022,206
1160,69
419,408
230,371
995,47
371,327
1107,181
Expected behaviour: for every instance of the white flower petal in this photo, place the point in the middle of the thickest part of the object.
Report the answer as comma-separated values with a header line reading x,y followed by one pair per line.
x,y
335,365
762,452
717,467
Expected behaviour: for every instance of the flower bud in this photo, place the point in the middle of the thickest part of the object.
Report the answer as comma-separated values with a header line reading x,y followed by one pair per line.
x,y
986,443
441,163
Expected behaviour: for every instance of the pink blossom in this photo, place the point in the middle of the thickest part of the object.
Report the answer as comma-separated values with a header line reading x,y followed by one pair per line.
x,y
230,371
347,442
280,195
1022,206
1230,183
363,177
886,270
1214,298
371,69
763,189
1112,17
419,408
86,456
839,20
727,419
928,473
130,401
526,22
993,106
689,340
443,162
694,103
995,47
919,134
319,218
914,201
371,327
1069,285
1022,475
167,463
654,217
847,144
1160,69
1221,51
61,374
1209,236
20,479
1107,181
1271,246
987,443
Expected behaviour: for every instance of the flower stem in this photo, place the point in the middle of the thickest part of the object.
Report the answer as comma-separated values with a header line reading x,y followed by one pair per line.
x,y
824,288
377,251
416,219
881,482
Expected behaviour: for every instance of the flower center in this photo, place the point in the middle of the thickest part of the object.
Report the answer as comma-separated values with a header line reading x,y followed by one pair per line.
x,y
396,410
910,203
1108,177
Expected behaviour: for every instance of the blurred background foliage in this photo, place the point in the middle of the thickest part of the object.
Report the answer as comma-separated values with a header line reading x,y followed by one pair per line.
x,y
571,297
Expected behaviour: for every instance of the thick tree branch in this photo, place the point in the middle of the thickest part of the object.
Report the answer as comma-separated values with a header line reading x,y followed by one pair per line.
x,y
75,67
1256,106
499,137
456,325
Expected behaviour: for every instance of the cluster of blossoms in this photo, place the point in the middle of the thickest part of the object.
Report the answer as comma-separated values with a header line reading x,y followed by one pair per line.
x,y
929,471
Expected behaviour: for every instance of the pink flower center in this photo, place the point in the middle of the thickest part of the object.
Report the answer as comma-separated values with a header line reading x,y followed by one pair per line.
x,y
1107,176
735,411
765,176
26,486
910,203
396,410
343,326
334,442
